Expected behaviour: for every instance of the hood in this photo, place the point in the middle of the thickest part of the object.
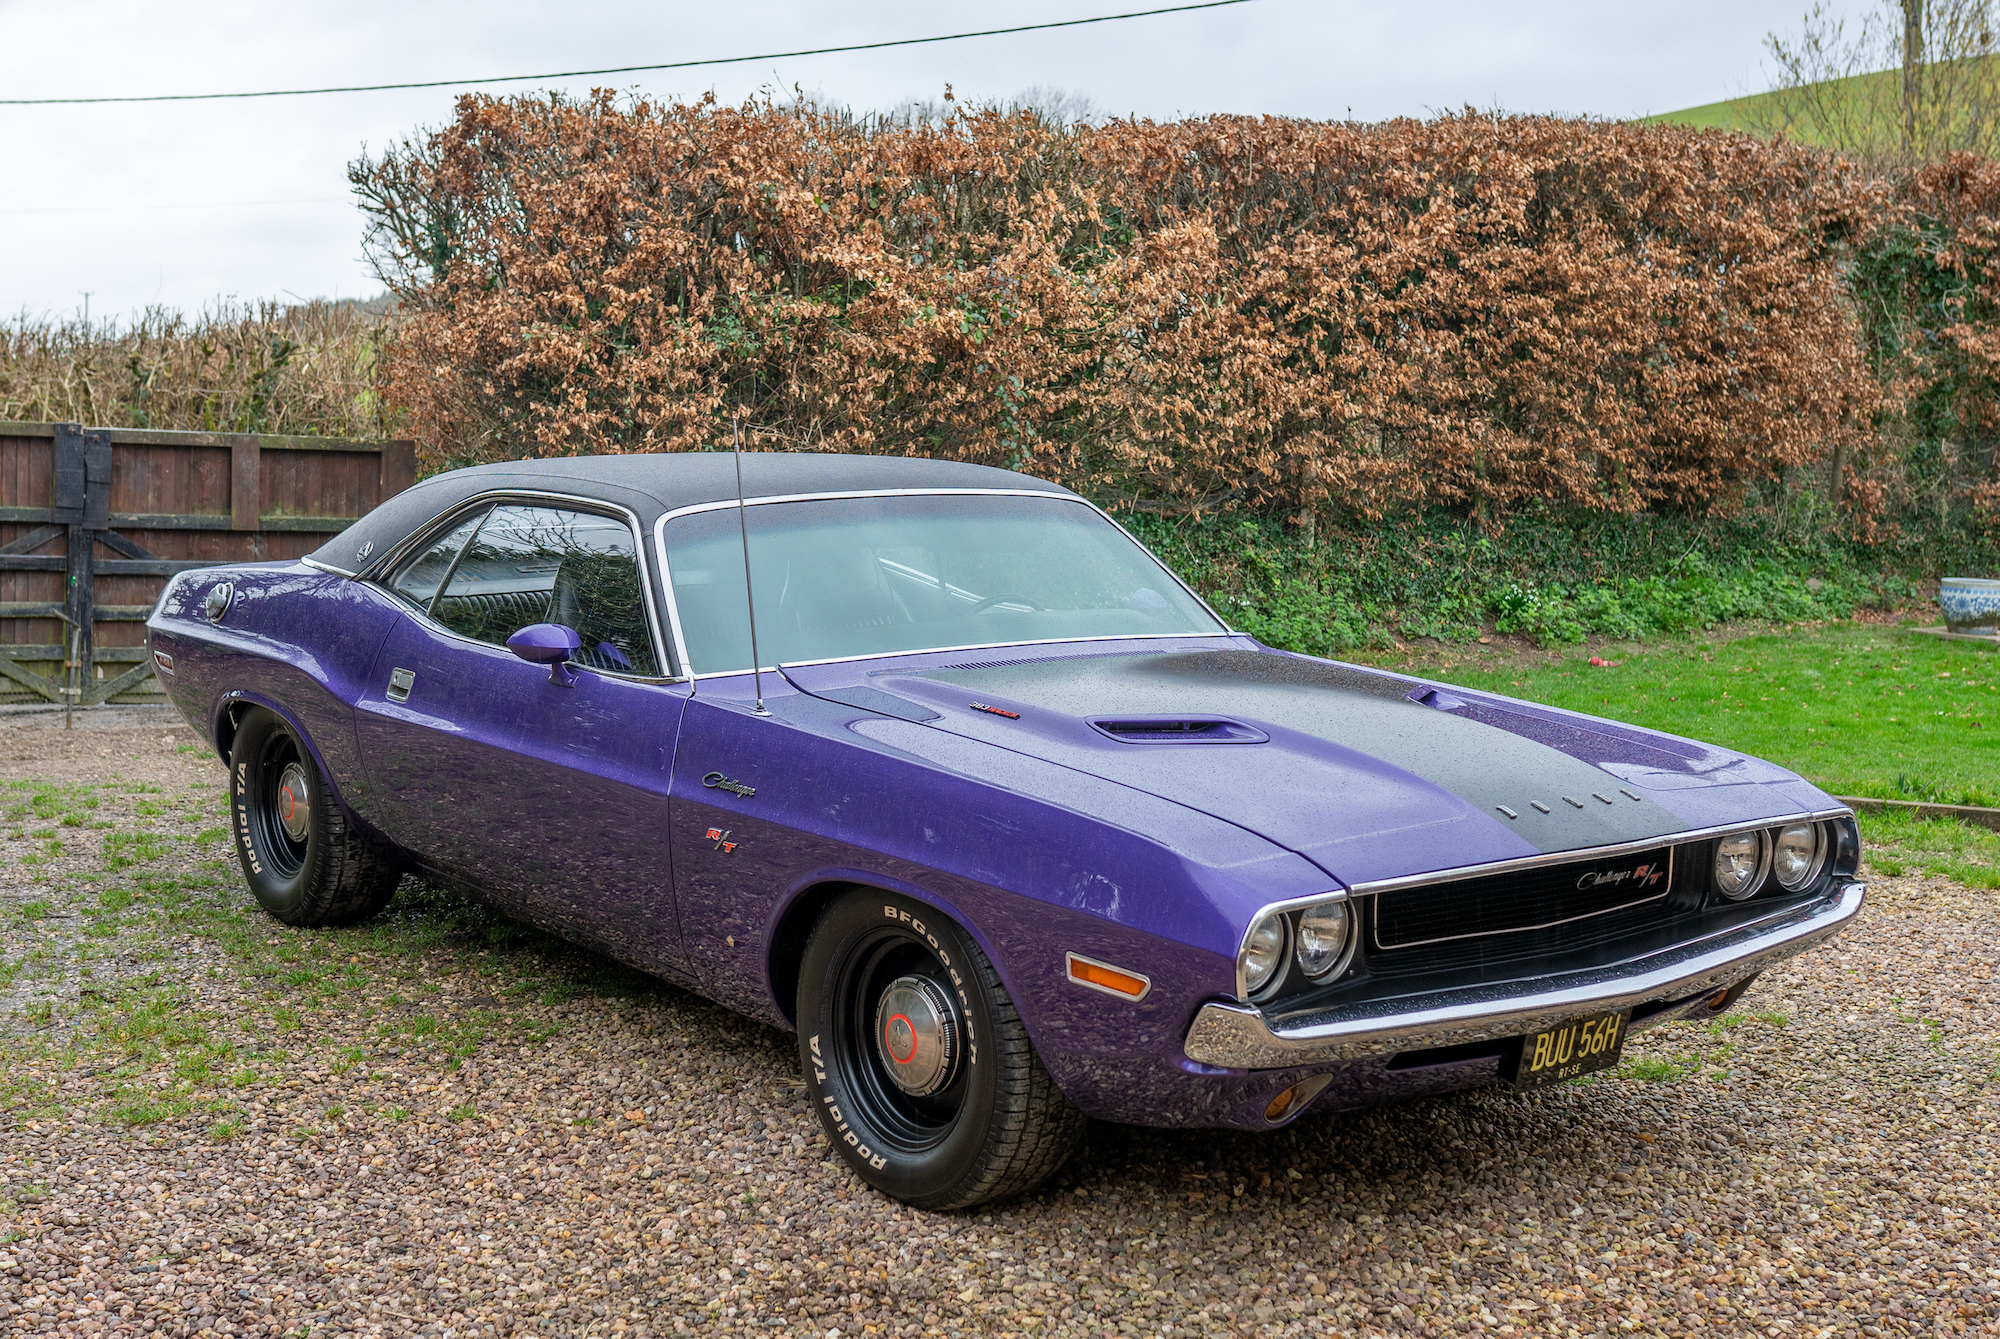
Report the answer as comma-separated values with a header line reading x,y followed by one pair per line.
x,y
1367,774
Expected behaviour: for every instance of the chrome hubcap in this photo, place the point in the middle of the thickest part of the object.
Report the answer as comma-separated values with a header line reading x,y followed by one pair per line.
x,y
917,1034
294,802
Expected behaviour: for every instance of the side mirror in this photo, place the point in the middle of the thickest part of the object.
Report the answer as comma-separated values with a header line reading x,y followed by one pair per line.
x,y
548,644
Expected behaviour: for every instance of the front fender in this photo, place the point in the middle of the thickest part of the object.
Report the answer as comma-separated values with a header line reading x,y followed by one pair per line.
x,y
1035,860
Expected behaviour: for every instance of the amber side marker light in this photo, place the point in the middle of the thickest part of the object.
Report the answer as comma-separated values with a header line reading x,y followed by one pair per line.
x,y
1294,1097
1111,980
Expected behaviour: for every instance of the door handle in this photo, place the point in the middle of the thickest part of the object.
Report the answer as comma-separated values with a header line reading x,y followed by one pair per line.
x,y
400,683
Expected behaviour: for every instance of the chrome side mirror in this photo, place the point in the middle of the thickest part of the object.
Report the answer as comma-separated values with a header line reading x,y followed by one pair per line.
x,y
548,644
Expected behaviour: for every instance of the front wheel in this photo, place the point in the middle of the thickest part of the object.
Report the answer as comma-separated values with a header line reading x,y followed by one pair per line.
x,y
300,855
917,1062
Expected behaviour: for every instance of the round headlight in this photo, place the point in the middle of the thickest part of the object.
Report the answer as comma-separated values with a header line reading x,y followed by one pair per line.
x,y
1795,857
1322,942
1739,864
1263,952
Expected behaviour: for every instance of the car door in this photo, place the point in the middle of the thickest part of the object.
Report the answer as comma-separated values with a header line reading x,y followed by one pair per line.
x,y
549,797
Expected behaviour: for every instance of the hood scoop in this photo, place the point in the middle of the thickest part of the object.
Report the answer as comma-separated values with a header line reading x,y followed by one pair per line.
x,y
1179,730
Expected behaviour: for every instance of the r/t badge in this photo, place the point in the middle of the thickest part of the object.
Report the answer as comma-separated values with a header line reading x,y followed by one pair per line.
x,y
720,836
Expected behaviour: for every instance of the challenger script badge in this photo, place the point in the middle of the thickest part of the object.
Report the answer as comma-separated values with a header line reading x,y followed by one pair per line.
x,y
717,781
1640,876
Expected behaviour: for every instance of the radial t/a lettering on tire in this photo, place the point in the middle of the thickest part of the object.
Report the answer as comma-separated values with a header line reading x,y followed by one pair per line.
x,y
917,1061
300,854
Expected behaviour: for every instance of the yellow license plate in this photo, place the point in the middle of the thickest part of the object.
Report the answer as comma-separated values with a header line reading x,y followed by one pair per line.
x,y
1569,1050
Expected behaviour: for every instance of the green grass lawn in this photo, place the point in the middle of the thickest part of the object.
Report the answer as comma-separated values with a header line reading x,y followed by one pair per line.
x,y
1856,708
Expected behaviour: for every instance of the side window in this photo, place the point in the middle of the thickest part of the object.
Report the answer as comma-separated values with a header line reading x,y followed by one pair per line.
x,y
419,582
549,565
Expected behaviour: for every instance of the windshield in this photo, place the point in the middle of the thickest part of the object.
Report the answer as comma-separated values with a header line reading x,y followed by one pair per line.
x,y
877,575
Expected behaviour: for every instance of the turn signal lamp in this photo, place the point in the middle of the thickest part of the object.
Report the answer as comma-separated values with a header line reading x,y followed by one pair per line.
x,y
1293,1098
1112,980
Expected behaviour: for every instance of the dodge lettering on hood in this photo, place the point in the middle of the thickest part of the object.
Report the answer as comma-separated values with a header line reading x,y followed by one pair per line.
x,y
982,802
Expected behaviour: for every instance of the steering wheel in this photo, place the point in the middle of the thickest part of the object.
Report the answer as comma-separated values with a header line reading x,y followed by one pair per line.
x,y
992,600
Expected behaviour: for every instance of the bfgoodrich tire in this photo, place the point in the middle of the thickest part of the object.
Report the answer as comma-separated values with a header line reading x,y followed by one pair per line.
x,y
303,860
917,1062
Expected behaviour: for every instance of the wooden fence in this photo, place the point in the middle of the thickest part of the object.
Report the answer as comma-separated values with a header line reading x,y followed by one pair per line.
x,y
93,521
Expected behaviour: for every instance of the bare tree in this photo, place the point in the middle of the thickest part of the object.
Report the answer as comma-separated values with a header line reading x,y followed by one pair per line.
x,y
1051,105
1913,79
1057,106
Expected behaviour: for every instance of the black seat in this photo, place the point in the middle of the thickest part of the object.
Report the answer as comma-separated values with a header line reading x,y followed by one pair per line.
x,y
598,595
491,616
838,592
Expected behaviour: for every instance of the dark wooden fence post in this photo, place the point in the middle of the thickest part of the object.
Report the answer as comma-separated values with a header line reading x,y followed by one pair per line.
x,y
399,467
83,508
245,484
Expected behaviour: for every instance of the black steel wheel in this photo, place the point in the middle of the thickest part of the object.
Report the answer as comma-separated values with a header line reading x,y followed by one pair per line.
x,y
299,852
917,1062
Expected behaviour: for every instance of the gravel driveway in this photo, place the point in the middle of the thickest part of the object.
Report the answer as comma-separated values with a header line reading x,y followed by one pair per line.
x,y
442,1123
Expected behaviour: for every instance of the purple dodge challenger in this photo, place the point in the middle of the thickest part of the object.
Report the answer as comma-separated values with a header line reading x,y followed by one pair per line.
x,y
1010,827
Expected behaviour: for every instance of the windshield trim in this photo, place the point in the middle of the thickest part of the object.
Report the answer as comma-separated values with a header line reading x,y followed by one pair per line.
x,y
689,669
973,646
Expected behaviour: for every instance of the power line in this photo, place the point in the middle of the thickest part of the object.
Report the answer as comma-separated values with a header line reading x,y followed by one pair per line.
x,y
626,69
142,208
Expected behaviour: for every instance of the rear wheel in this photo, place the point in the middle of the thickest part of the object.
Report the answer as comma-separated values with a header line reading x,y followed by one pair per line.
x,y
300,855
917,1062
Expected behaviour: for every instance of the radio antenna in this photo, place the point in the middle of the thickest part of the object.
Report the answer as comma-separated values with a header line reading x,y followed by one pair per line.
x,y
749,599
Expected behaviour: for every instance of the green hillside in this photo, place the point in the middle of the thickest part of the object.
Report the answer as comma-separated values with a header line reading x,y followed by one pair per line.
x,y
1735,114
1758,112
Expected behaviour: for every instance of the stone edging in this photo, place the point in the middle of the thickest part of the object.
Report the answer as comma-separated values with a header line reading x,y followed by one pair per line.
x,y
1964,813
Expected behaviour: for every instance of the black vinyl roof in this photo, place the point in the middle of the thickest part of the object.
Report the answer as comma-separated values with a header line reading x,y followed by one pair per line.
x,y
652,485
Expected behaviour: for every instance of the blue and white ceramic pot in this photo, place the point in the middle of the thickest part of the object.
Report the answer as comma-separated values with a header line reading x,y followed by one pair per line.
x,y
1971,604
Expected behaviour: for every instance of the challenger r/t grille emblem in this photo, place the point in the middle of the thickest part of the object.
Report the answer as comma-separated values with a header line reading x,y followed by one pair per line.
x,y
1642,876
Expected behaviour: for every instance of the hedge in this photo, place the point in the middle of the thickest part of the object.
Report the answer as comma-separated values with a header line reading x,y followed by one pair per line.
x,y
1295,317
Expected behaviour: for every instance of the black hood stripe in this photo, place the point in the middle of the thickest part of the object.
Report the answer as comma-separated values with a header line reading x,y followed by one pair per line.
x,y
1482,763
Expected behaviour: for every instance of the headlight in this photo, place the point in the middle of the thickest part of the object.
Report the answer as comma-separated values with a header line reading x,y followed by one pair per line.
x,y
1322,942
1739,864
1795,859
1263,953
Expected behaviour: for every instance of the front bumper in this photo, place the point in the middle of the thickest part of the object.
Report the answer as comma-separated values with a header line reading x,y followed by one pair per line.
x,y
1237,1036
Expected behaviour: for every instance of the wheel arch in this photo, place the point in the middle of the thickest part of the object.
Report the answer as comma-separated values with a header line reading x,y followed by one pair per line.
x,y
787,940
785,956
236,704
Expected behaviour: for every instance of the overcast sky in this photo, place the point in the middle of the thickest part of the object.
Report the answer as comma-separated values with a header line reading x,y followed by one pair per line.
x,y
184,203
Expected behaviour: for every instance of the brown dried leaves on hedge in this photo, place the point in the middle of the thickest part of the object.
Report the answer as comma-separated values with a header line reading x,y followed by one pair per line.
x,y
1471,311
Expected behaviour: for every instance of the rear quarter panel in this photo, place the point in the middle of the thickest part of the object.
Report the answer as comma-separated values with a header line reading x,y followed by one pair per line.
x,y
294,639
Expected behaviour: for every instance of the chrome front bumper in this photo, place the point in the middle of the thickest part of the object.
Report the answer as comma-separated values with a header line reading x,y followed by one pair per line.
x,y
1236,1036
